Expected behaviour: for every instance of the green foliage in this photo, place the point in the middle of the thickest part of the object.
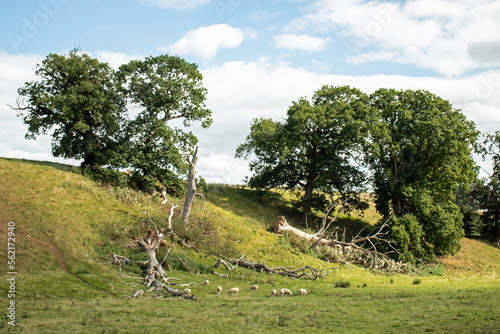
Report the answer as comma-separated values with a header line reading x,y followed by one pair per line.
x,y
165,88
420,151
468,200
342,284
108,176
417,281
487,192
84,102
75,97
312,148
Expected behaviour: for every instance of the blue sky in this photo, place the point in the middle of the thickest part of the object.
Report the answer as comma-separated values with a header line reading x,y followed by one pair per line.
x,y
259,56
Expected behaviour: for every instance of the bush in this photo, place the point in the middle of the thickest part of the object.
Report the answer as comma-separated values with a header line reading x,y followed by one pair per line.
x,y
342,284
417,281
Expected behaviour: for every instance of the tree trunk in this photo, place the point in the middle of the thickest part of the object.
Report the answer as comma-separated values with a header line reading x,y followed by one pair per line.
x,y
308,196
149,245
191,186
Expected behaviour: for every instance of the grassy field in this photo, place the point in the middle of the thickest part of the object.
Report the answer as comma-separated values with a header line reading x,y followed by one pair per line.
x,y
66,225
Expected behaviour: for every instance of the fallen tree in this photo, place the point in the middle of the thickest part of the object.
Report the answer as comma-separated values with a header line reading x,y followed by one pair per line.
x,y
360,249
304,272
156,276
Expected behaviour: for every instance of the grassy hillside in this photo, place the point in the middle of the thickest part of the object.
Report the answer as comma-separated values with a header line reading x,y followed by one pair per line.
x,y
66,225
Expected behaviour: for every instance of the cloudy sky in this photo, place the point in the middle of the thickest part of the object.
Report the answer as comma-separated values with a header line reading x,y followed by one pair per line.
x,y
258,56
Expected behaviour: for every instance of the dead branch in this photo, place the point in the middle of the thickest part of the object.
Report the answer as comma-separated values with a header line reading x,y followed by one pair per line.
x,y
170,217
221,275
118,259
224,263
164,194
137,294
304,272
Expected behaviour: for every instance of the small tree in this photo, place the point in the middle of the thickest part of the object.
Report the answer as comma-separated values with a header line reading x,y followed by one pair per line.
x,y
76,98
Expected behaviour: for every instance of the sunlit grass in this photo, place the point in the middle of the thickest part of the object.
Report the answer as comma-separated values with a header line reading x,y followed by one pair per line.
x,y
66,225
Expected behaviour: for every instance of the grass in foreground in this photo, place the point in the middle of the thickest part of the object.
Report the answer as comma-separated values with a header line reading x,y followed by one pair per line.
x,y
439,307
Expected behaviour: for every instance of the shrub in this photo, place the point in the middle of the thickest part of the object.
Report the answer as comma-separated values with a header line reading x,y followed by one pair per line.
x,y
342,284
417,281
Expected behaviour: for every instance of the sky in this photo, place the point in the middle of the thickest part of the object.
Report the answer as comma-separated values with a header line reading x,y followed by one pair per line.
x,y
257,57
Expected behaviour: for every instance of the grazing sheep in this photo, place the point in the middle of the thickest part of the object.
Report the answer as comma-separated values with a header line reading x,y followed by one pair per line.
x,y
253,287
219,289
187,292
273,293
205,283
285,292
234,291
302,292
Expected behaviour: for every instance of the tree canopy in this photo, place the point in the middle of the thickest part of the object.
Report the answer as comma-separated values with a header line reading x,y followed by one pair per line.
x,y
313,148
76,98
85,103
164,88
420,151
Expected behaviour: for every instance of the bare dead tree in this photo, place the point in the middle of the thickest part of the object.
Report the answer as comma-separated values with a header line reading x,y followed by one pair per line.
x,y
191,186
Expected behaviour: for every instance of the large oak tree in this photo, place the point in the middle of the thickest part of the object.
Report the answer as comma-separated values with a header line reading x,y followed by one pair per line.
x,y
420,152
314,148
76,98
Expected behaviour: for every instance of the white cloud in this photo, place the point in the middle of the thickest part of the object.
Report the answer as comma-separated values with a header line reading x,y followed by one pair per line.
x,y
445,36
205,42
241,91
301,42
177,4
115,59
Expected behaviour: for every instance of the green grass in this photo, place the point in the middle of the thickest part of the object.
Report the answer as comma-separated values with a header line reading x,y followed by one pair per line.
x,y
66,225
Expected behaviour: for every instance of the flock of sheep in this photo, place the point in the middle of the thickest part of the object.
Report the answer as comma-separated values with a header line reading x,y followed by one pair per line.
x,y
236,291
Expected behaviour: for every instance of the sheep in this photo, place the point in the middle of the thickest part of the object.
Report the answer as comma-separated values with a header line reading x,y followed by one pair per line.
x,y
302,292
219,289
187,292
273,293
235,291
205,283
285,292
254,287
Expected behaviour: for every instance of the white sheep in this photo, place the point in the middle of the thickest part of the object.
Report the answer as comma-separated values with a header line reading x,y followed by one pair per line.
x,y
273,293
205,283
253,287
219,289
302,292
234,291
187,292
285,292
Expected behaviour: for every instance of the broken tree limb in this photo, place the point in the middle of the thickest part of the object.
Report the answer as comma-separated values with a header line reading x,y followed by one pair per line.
x,y
304,272
224,263
352,251
170,216
118,259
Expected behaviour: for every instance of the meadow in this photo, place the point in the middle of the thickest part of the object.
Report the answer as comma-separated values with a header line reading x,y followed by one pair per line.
x,y
67,225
